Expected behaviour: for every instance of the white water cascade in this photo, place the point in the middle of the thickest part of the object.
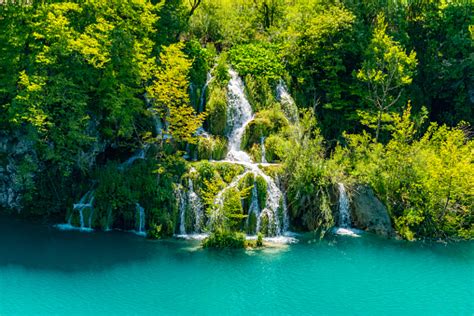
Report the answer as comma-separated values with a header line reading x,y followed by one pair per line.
x,y
182,210
344,213
344,219
202,100
140,220
239,114
262,146
254,207
189,201
139,154
85,203
288,104
195,206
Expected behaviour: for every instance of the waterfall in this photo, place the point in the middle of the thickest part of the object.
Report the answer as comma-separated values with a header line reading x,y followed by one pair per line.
x,y
182,211
195,206
344,213
140,220
288,104
86,202
254,207
262,145
139,154
239,114
203,93
344,218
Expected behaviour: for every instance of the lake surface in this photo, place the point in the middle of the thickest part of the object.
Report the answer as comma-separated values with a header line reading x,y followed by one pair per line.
x,y
44,271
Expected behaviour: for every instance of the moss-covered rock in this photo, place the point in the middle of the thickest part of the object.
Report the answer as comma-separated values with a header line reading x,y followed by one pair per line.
x,y
212,148
265,123
276,147
217,110
233,210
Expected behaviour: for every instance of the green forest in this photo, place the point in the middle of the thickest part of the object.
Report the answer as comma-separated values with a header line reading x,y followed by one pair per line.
x,y
125,114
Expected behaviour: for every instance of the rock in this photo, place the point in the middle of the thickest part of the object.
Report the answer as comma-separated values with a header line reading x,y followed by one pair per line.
x,y
15,149
369,213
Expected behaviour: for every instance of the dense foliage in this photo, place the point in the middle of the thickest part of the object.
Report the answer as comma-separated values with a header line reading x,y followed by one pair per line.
x,y
383,96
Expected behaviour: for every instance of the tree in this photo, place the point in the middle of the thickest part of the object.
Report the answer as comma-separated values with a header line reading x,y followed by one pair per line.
x,y
385,71
268,9
169,91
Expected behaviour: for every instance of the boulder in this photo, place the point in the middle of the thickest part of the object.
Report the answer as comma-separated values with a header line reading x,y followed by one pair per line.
x,y
369,213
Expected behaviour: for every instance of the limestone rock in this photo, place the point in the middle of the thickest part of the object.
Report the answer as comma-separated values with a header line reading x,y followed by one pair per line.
x,y
369,213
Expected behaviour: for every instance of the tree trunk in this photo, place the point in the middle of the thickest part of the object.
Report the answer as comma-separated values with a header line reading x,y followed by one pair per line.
x,y
379,121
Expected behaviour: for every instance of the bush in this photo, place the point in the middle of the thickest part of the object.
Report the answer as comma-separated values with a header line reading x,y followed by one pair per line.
x,y
265,123
225,239
276,148
259,240
217,110
154,232
212,148
257,59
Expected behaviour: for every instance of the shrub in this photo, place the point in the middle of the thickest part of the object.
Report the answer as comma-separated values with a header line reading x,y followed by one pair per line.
x,y
265,123
212,148
259,240
276,148
257,59
224,239
217,110
155,232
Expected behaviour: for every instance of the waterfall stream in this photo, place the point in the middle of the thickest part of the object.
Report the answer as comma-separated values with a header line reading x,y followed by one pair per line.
x,y
288,104
262,146
239,114
140,220
203,92
344,218
86,203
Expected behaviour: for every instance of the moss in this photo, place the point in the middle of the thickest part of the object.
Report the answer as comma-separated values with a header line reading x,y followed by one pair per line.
x,y
252,224
233,209
273,171
265,123
229,171
276,148
259,242
255,152
262,191
212,148
259,92
217,110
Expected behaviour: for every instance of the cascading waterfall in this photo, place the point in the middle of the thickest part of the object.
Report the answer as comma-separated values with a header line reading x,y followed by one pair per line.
x,y
140,219
262,146
139,154
288,104
239,114
195,206
344,219
85,203
182,210
344,214
203,93
254,207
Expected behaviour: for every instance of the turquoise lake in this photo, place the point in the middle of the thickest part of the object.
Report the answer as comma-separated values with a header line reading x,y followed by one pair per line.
x,y
44,271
